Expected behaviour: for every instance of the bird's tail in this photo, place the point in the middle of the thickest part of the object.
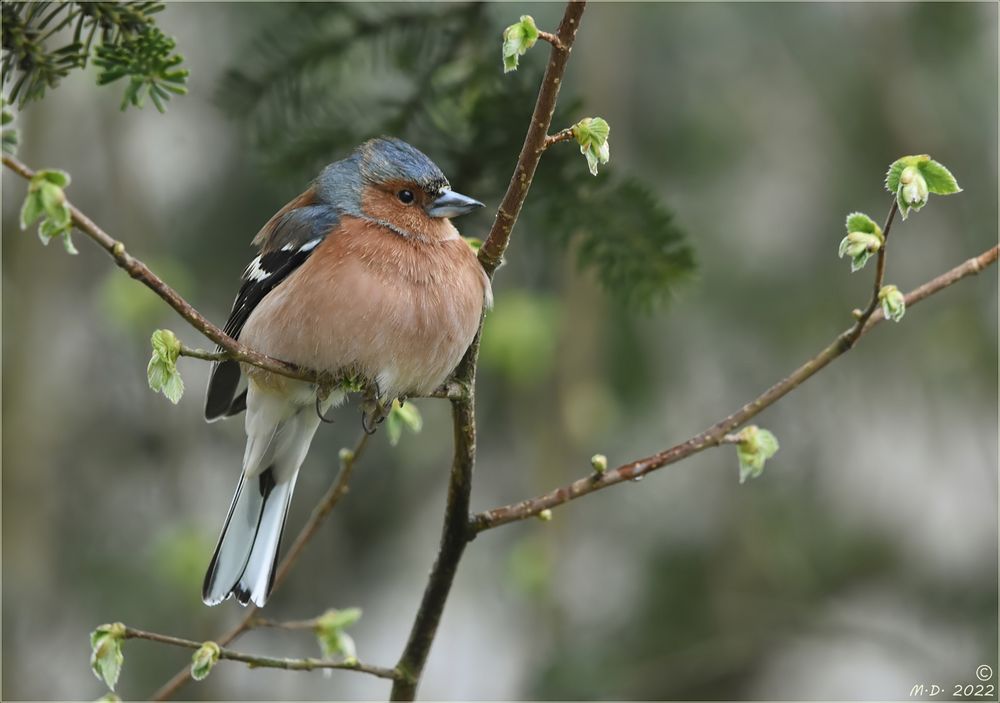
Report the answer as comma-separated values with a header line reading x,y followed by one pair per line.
x,y
279,432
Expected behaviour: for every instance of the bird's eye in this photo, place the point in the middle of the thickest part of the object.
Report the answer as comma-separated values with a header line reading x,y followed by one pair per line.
x,y
405,196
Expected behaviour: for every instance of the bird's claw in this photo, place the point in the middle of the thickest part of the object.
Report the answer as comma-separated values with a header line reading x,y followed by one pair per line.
x,y
319,412
374,410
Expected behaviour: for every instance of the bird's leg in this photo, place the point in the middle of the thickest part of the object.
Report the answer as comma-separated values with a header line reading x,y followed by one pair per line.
x,y
373,410
323,390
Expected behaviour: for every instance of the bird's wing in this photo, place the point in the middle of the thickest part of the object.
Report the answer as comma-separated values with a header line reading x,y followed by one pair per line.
x,y
287,240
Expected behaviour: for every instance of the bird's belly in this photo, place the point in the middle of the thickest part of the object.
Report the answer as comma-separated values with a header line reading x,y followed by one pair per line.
x,y
405,335
406,340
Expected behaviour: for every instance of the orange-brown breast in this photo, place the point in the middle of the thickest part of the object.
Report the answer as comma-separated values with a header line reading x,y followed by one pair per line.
x,y
396,310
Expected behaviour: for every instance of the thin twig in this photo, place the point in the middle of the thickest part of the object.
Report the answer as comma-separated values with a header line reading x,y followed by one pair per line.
x,y
258,661
552,39
309,624
970,267
854,334
204,355
139,271
492,250
455,532
337,490
718,432
563,135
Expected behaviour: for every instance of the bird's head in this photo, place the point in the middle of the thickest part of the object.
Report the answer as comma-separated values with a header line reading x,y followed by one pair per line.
x,y
388,181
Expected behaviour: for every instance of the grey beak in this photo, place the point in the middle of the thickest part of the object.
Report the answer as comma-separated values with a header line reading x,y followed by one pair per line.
x,y
452,204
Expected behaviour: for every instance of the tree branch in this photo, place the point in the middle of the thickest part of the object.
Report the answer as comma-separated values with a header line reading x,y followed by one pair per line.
x,y
203,355
717,433
552,39
563,135
854,334
455,533
454,536
337,490
140,272
492,250
257,661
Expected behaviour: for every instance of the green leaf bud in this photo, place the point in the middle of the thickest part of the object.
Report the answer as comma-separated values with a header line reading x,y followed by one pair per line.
x,y
161,371
106,656
329,630
591,134
545,515
912,178
754,447
913,190
863,239
859,246
46,200
400,416
204,659
893,303
517,39
599,462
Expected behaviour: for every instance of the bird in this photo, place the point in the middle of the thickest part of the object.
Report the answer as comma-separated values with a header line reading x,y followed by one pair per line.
x,y
362,274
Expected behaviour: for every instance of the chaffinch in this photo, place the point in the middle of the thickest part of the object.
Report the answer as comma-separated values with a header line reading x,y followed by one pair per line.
x,y
362,274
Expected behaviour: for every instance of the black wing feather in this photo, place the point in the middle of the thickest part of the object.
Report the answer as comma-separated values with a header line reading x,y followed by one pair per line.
x,y
300,231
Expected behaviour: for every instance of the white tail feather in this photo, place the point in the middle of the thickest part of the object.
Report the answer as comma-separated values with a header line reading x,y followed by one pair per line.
x,y
279,432
256,577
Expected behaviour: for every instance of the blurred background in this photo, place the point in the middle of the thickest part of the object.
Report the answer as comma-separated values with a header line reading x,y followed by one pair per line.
x,y
634,310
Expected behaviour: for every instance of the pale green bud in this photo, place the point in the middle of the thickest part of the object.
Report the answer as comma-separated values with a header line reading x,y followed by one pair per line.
x,y
913,188
912,178
106,657
329,630
755,446
859,246
517,39
204,659
893,303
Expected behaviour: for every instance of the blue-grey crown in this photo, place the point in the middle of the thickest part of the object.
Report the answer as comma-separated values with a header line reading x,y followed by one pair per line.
x,y
389,159
374,162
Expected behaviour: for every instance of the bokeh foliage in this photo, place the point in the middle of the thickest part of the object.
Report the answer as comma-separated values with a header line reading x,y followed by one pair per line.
x,y
122,39
328,76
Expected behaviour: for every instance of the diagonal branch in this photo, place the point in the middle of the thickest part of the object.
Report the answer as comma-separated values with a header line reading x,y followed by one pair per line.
x,y
256,661
140,272
716,434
